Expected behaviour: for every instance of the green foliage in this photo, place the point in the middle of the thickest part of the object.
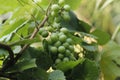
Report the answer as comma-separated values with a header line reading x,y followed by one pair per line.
x,y
64,66
8,6
44,61
89,70
45,40
23,65
79,25
90,47
74,4
101,35
33,74
110,61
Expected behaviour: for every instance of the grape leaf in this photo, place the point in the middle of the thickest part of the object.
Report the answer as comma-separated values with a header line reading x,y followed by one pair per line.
x,y
7,5
88,70
25,41
90,47
64,66
21,66
44,61
56,75
33,74
102,36
75,24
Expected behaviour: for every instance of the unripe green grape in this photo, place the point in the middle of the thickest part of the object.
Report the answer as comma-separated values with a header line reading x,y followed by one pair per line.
x,y
62,38
54,37
61,33
64,30
65,59
41,30
72,57
57,61
67,53
57,19
54,14
50,29
61,49
44,34
55,7
69,40
56,25
57,44
61,2
66,7
53,49
66,45
60,55
49,41
71,48
66,16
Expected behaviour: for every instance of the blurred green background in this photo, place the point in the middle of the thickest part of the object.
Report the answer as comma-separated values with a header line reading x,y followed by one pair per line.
x,y
101,14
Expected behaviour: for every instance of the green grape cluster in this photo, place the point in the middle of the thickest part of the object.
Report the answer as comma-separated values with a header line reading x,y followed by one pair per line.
x,y
61,46
60,9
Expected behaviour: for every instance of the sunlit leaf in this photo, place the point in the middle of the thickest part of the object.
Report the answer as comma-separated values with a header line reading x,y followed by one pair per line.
x,y
102,36
73,3
25,41
8,5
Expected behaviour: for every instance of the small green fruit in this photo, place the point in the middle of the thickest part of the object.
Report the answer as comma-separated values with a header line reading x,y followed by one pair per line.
x,y
50,29
57,61
62,38
71,48
66,7
66,44
54,37
55,7
61,2
66,16
65,59
64,30
60,55
69,40
53,49
61,49
67,53
41,30
58,43
44,34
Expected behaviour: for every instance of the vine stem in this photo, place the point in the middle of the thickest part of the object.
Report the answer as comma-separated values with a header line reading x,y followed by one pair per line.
x,y
32,36
9,64
6,47
10,57
115,32
34,33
